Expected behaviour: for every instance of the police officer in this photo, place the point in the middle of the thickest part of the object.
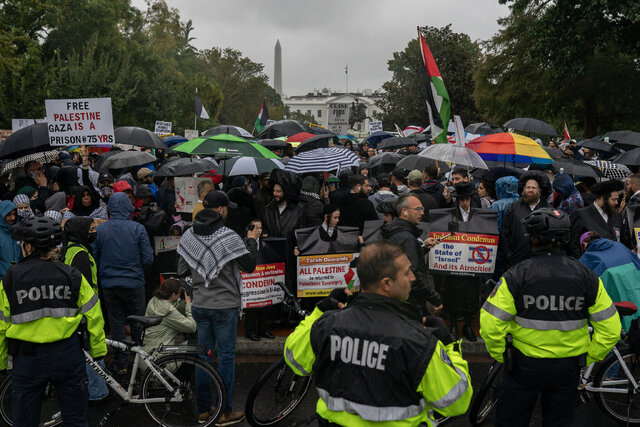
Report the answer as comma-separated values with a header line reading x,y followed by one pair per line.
x,y
42,302
374,361
545,302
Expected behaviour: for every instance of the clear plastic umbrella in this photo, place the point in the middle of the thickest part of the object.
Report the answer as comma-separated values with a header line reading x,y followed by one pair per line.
x,y
453,153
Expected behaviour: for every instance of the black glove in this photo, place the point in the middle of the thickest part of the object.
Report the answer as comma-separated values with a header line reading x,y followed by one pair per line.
x,y
331,302
438,329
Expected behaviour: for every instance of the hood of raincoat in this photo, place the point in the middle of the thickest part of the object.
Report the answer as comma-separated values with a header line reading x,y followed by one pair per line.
x,y
76,230
6,206
507,187
564,185
120,206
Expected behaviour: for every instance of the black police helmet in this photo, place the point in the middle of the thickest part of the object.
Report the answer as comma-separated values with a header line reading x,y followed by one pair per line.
x,y
40,231
548,225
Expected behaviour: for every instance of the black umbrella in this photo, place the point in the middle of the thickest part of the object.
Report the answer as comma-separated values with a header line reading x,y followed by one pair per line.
x,y
497,172
626,138
384,159
282,128
318,130
318,141
630,158
528,124
414,161
273,144
186,167
483,128
555,153
575,167
396,142
229,130
139,137
596,144
127,159
420,137
28,140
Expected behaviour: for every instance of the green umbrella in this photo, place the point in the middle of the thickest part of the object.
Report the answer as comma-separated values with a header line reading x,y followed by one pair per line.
x,y
224,145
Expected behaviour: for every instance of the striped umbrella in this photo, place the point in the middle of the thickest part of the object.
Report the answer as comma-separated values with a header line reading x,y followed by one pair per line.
x,y
249,166
509,147
322,160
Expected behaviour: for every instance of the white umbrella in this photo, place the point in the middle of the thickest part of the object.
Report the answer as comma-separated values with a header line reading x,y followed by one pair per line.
x,y
42,157
322,160
248,166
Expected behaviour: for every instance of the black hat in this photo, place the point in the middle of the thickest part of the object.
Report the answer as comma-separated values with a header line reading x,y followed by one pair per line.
x,y
217,198
464,189
143,190
540,177
106,176
606,187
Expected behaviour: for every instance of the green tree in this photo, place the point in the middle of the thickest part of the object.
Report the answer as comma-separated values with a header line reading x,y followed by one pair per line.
x,y
299,116
404,100
564,61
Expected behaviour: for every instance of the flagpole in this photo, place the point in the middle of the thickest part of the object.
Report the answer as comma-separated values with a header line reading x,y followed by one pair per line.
x,y
195,116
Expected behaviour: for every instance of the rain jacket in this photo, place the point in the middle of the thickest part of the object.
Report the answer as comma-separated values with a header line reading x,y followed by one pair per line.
x,y
9,249
507,192
571,198
122,247
619,270
173,323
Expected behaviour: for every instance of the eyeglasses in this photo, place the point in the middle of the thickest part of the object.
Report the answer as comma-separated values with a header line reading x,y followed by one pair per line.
x,y
417,209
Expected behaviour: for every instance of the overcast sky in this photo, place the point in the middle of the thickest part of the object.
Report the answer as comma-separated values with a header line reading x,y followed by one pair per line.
x,y
320,37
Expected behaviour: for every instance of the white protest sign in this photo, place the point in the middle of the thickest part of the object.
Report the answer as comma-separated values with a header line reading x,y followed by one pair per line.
x,y
165,243
191,133
187,193
17,124
319,274
338,121
375,127
259,288
162,128
87,121
464,253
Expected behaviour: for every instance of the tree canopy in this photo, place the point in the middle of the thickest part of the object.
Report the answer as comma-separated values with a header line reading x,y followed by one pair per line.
x,y
143,60
404,100
574,61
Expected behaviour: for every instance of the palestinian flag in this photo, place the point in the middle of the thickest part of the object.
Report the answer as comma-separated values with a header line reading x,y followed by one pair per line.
x,y
566,132
438,101
263,117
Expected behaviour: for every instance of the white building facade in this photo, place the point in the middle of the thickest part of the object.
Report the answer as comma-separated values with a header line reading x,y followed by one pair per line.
x,y
317,104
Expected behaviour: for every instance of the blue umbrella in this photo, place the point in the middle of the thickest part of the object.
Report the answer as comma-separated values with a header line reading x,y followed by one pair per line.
x,y
376,137
173,139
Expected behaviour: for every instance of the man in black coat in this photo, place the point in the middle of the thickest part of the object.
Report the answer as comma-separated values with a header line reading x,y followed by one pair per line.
x,y
601,216
458,176
432,186
414,182
514,245
404,231
355,207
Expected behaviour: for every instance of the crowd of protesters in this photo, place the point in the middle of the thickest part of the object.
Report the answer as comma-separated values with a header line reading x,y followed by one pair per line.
x,y
115,215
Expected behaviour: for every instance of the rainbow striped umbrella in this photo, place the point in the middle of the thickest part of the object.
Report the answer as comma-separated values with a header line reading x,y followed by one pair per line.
x,y
509,147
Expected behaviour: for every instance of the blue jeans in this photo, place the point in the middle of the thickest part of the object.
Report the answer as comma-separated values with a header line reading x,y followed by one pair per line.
x,y
62,364
216,328
97,386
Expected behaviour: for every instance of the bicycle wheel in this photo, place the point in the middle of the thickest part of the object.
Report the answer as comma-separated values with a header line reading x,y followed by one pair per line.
x,y
275,395
50,414
180,371
486,398
622,407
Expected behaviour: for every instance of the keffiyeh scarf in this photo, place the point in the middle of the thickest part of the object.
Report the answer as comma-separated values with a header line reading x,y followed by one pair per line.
x,y
208,254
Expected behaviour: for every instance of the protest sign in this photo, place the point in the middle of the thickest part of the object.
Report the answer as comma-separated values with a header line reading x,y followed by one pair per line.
x,y
375,127
259,288
86,121
17,124
162,128
319,274
191,133
472,249
338,120
313,241
165,243
187,192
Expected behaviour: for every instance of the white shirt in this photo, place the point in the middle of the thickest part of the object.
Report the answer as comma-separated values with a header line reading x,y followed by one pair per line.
x,y
282,207
533,206
329,230
602,213
465,214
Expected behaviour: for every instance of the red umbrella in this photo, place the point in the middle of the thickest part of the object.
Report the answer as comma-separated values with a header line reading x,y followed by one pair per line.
x,y
300,137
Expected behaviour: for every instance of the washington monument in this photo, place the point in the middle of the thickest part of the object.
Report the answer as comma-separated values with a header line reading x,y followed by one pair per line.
x,y
277,72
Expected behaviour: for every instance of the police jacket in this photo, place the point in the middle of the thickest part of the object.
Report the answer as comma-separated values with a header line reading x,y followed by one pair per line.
x,y
374,362
545,303
44,302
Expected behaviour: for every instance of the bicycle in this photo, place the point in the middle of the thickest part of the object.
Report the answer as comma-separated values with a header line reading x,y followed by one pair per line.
x,y
279,391
620,368
167,387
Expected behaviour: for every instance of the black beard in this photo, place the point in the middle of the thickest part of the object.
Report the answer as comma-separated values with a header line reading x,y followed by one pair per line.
x,y
606,207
